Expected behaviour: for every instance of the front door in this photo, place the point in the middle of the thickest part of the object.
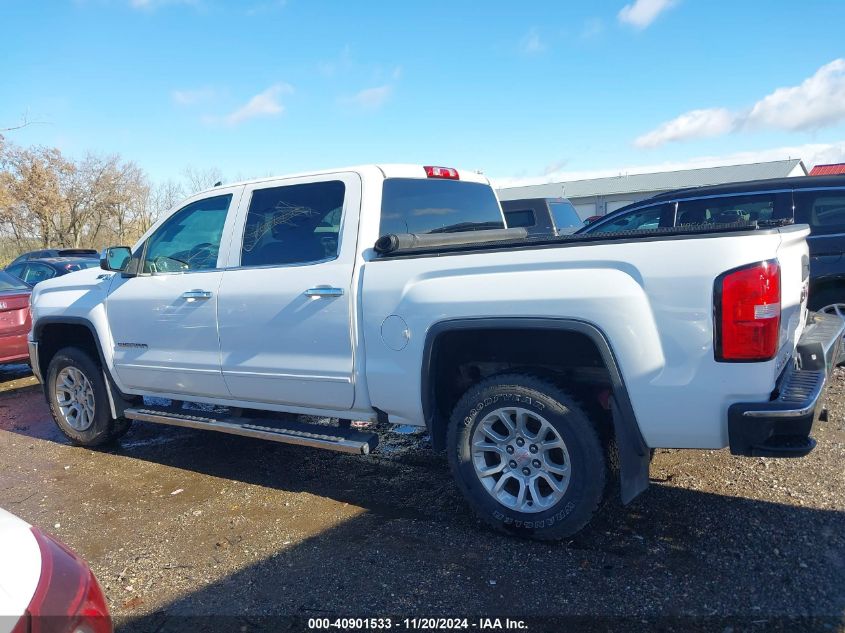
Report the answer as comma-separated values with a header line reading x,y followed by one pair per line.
x,y
285,307
163,321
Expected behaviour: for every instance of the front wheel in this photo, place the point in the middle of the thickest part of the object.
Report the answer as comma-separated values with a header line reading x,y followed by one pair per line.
x,y
526,457
76,393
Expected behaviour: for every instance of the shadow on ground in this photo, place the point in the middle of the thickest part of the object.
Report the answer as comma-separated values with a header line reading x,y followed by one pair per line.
x,y
416,551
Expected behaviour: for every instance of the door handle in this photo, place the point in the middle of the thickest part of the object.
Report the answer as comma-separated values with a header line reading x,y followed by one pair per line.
x,y
192,295
324,291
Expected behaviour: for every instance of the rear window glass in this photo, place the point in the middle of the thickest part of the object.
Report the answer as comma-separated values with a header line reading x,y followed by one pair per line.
x,y
520,218
411,205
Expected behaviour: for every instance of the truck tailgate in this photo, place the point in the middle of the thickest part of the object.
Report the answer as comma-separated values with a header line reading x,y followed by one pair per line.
x,y
794,259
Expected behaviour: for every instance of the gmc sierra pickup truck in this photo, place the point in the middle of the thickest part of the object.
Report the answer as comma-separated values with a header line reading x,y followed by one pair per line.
x,y
547,368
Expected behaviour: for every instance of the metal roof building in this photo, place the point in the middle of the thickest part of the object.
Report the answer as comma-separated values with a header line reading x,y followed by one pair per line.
x,y
828,170
598,196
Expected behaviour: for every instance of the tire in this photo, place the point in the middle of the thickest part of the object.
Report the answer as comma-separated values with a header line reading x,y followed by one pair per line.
x,y
88,424
547,414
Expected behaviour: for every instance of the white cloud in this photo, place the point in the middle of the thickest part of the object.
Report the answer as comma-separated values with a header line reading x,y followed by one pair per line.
x,y
192,97
264,104
694,124
811,154
817,102
369,98
532,43
641,13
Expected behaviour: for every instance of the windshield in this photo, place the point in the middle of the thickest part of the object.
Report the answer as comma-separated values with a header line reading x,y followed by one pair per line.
x,y
411,205
9,282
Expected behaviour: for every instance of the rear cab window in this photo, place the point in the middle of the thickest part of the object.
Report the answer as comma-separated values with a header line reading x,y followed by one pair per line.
x,y
411,205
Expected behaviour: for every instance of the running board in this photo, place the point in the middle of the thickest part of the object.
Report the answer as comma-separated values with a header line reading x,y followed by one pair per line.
x,y
287,432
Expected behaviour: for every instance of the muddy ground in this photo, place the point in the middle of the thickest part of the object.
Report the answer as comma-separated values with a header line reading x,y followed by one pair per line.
x,y
176,522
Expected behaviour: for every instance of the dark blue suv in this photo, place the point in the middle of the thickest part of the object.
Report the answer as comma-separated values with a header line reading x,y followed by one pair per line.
x,y
815,200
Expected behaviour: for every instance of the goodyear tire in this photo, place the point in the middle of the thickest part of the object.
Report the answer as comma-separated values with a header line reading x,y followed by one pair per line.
x,y
526,457
76,393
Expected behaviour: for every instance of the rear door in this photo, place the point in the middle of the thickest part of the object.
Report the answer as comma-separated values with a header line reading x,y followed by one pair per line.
x,y
286,301
163,321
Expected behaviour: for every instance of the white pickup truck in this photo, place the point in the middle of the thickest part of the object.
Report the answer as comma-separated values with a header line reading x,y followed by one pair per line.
x,y
547,368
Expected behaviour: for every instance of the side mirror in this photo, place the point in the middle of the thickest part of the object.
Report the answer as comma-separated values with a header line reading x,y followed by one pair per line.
x,y
115,258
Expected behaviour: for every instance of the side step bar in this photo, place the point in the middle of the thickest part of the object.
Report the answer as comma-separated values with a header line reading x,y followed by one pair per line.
x,y
287,432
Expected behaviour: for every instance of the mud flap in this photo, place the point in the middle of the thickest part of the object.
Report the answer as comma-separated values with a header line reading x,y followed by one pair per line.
x,y
633,455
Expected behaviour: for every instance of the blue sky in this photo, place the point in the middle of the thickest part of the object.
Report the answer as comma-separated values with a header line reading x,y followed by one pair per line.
x,y
526,91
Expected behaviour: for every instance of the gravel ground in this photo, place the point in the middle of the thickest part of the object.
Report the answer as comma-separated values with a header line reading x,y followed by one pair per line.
x,y
176,522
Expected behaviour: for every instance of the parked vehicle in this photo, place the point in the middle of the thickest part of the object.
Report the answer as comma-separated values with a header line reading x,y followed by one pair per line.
x,y
546,368
14,319
34,271
542,216
44,586
818,201
56,252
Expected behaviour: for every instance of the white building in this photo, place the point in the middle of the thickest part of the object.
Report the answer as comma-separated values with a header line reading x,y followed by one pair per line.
x,y
598,196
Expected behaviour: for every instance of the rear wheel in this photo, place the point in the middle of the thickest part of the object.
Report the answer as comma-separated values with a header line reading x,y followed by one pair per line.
x,y
76,392
526,457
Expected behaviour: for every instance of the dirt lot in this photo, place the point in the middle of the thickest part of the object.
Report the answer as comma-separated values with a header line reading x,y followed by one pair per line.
x,y
177,522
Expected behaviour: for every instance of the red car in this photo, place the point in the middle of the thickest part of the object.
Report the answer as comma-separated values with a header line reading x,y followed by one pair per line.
x,y
44,586
14,319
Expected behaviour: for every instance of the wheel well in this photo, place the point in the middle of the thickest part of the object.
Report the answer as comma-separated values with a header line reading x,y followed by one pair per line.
x,y
54,336
462,357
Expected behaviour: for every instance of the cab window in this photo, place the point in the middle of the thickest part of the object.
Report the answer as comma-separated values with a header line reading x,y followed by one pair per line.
x,y
637,220
824,211
189,240
727,210
34,273
294,224
520,218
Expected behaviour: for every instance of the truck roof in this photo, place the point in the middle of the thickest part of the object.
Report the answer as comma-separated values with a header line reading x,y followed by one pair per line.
x,y
388,170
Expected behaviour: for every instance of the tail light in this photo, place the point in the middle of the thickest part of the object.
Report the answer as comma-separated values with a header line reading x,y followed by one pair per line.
x,y
747,313
442,172
68,598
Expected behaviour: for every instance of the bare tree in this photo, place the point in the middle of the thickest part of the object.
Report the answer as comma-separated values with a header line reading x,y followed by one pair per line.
x,y
201,179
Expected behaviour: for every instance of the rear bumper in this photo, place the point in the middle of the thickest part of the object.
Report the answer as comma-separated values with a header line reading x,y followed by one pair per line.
x,y
781,426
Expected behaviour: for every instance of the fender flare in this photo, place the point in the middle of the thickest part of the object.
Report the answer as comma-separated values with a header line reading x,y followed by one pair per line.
x,y
117,400
634,454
